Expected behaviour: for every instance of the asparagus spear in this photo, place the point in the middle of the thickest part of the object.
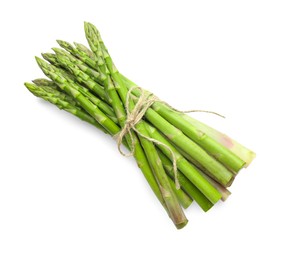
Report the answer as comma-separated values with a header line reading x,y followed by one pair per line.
x,y
174,209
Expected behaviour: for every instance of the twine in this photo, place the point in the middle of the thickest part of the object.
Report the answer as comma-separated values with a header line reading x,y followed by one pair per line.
x,y
144,102
195,110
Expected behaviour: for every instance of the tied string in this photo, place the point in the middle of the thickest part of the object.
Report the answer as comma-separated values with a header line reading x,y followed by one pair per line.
x,y
195,110
191,111
144,102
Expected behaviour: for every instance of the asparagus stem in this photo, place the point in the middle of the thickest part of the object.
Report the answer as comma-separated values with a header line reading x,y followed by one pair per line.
x,y
225,193
242,152
184,199
220,152
178,138
223,190
245,155
186,184
174,209
186,168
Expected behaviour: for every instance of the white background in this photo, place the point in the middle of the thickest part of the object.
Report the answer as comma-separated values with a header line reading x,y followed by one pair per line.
x,y
66,192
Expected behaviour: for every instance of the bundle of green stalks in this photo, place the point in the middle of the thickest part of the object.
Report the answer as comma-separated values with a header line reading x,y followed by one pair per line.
x,y
181,158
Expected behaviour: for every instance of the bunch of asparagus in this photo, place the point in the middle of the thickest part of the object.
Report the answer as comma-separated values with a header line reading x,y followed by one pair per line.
x,y
181,158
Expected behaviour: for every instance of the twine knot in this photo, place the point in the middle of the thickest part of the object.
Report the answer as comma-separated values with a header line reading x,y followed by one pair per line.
x,y
144,102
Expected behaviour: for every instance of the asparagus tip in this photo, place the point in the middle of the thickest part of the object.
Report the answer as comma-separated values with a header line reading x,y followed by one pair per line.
x,y
44,55
88,28
41,63
57,50
35,81
85,24
42,82
38,60
31,87
59,42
